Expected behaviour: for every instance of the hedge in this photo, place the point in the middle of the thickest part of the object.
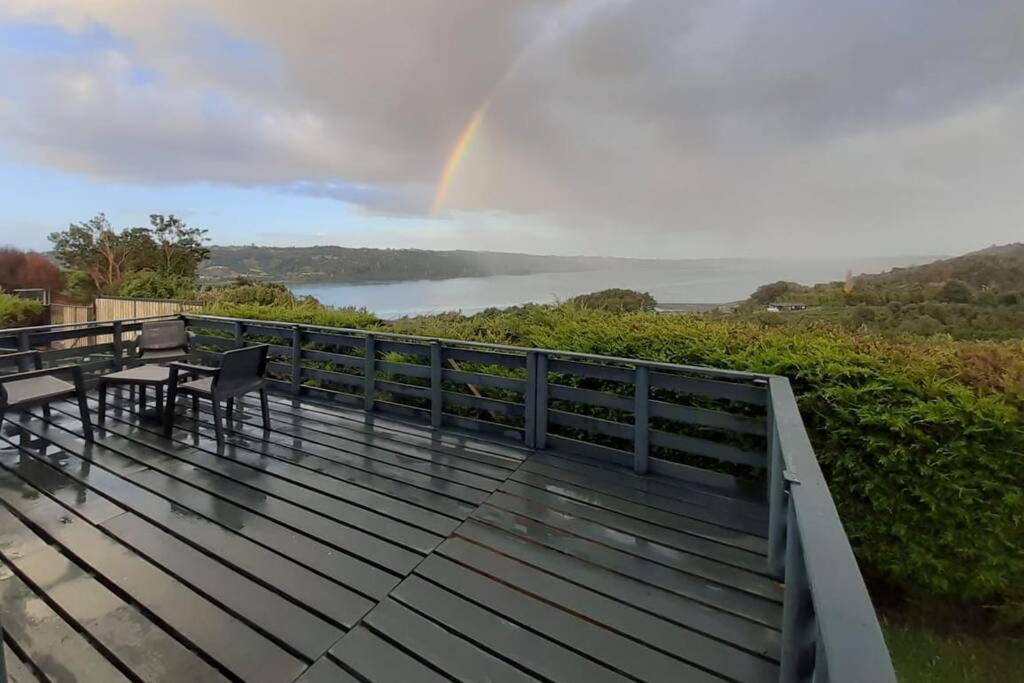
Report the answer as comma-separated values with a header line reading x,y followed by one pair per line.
x,y
18,312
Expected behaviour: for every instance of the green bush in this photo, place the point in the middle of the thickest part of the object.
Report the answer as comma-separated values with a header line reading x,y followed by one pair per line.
x,y
619,300
148,284
18,312
923,449
249,293
310,314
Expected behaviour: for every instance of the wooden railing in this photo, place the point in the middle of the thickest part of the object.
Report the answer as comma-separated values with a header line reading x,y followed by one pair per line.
x,y
676,420
656,417
829,628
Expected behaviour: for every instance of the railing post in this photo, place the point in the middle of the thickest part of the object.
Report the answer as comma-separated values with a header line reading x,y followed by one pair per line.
x,y
369,369
795,661
777,501
23,344
239,331
540,427
436,395
530,401
296,360
118,346
641,395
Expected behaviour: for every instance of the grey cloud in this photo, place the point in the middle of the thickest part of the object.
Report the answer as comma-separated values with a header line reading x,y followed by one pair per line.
x,y
733,126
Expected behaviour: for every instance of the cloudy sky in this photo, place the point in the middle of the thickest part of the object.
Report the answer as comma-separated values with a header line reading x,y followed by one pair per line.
x,y
645,128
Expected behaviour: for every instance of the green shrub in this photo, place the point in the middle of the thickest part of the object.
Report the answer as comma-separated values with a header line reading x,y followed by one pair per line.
x,y
18,312
308,313
619,300
249,293
148,284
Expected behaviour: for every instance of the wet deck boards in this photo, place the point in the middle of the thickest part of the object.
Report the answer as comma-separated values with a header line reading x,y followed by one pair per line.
x,y
342,546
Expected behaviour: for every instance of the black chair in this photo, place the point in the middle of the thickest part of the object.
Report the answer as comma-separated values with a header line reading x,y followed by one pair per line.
x,y
241,372
40,387
163,341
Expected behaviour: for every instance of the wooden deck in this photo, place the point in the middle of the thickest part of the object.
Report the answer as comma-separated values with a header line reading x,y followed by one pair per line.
x,y
347,547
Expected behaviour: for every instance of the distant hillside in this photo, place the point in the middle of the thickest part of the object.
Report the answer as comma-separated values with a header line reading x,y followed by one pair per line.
x,y
979,295
343,264
997,267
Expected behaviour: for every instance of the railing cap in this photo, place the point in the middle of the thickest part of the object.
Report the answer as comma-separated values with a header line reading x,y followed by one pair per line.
x,y
654,365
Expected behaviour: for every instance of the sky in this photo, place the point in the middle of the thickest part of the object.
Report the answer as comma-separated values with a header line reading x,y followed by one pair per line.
x,y
650,128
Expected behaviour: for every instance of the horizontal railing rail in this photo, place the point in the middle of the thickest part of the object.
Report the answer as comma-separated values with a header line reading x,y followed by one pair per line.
x,y
829,628
701,423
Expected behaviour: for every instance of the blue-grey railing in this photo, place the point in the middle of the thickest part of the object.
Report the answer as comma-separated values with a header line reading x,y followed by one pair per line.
x,y
676,420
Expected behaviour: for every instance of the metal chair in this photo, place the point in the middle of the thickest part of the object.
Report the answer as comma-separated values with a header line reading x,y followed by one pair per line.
x,y
40,387
163,341
242,371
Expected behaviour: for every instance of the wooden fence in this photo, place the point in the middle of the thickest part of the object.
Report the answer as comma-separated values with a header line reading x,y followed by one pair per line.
x,y
126,308
113,308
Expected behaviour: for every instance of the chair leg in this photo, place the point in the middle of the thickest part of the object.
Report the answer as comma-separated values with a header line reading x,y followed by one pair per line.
x,y
195,407
218,422
83,412
265,408
101,414
46,411
231,407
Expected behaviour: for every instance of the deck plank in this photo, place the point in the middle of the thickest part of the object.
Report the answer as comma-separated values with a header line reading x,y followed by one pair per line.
x,y
246,653
324,670
344,546
498,634
697,565
52,645
732,547
439,467
654,633
137,643
199,503
447,497
378,660
316,593
633,591
430,642
720,596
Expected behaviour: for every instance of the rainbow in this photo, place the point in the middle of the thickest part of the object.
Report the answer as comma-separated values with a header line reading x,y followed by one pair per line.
x,y
571,15
455,157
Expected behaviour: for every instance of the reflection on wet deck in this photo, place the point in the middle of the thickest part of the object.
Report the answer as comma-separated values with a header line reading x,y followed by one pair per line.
x,y
343,547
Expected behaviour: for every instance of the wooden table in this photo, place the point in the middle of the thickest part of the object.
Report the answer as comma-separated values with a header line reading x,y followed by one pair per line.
x,y
143,376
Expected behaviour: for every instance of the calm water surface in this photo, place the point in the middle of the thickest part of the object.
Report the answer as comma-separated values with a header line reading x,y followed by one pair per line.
x,y
697,282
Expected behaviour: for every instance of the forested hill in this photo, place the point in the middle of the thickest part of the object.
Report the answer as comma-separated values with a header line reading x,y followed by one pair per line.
x,y
343,264
979,295
998,267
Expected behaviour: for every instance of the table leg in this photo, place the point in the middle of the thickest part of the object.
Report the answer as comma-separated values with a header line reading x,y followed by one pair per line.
x,y
142,399
160,398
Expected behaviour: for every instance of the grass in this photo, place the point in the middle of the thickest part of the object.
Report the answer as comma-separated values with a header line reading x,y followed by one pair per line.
x,y
923,656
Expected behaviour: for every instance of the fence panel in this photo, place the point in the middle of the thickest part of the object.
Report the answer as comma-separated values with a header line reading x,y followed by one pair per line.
x,y
127,308
68,314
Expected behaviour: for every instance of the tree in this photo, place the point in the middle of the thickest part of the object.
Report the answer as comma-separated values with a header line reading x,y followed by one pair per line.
x,y
108,257
28,270
181,247
766,294
96,249
955,292
617,300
